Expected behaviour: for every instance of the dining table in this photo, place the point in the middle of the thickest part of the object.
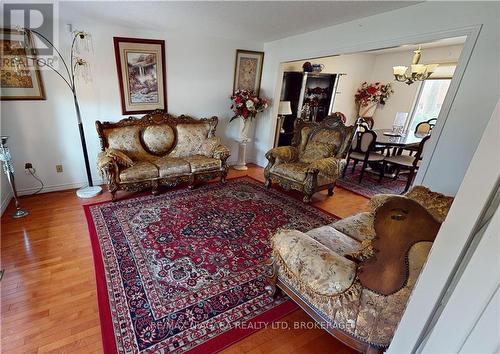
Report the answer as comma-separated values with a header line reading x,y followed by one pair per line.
x,y
387,138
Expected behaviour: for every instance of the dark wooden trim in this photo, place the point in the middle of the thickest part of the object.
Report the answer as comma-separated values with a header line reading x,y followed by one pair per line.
x,y
161,42
345,338
243,51
33,52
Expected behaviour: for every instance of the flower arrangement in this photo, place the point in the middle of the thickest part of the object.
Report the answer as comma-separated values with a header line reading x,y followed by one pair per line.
x,y
373,93
246,104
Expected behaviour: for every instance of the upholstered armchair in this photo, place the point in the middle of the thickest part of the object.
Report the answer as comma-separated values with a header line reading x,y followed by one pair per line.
x,y
314,161
355,276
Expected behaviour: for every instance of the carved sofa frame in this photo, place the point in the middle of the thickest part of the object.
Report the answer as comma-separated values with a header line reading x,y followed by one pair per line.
x,y
157,117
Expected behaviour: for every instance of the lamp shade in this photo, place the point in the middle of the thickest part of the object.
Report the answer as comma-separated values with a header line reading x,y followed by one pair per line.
x,y
284,108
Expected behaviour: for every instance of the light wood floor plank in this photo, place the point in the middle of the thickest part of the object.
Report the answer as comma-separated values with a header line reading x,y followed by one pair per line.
x,y
48,293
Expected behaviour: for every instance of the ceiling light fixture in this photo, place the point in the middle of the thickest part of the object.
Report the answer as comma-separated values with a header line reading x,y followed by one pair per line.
x,y
418,72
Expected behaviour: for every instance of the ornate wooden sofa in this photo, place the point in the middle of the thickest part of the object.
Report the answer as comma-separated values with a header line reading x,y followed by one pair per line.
x,y
314,161
159,149
355,276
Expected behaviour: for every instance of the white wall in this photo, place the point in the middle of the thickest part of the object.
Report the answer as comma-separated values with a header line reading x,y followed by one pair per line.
x,y
357,67
470,109
404,95
375,67
199,82
479,184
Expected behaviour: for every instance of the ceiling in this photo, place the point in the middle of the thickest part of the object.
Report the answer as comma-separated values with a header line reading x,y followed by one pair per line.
x,y
260,21
445,42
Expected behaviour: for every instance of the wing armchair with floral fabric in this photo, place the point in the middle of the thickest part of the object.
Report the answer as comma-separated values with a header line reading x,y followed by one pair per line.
x,y
314,161
319,270
159,149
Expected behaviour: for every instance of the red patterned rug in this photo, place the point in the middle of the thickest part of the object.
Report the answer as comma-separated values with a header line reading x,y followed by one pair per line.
x,y
185,270
370,185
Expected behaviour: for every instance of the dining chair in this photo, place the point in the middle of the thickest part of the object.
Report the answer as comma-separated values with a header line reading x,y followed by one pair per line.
x,y
368,121
422,128
411,163
362,151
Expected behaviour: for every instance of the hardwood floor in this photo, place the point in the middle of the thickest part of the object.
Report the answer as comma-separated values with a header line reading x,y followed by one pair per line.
x,y
48,291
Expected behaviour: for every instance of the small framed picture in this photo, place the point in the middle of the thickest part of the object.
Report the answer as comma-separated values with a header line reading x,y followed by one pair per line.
x,y
141,74
19,70
248,70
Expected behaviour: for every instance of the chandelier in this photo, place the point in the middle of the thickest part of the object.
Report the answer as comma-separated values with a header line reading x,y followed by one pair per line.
x,y
418,72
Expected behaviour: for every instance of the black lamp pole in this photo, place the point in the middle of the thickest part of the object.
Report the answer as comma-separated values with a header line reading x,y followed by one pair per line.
x,y
69,78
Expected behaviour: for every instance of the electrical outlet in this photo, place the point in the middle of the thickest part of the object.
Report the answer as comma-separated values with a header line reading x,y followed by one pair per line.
x,y
28,165
59,168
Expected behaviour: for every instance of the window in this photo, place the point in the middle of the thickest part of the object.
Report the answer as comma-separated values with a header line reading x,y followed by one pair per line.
x,y
429,101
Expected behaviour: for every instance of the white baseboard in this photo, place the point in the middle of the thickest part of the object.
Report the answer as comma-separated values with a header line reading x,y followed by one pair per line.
x,y
57,187
5,202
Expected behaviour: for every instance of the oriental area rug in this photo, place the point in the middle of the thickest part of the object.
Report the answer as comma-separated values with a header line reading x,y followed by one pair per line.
x,y
185,270
370,185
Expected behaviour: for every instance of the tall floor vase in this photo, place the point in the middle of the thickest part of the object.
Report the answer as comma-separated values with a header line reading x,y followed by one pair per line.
x,y
241,165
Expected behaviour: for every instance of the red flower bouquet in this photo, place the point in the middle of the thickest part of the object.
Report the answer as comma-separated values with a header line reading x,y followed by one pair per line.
x,y
373,93
246,104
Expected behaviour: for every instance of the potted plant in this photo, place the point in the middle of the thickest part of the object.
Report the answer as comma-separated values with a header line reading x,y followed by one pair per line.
x,y
369,96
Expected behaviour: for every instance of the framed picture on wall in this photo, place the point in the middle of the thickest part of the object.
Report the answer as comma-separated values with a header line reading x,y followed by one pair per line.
x,y
20,77
141,74
248,70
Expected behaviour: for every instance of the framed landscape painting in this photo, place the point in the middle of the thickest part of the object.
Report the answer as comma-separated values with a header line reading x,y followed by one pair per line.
x,y
141,74
248,70
25,83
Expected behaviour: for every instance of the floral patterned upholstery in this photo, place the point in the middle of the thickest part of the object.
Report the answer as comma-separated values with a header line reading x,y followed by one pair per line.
x,y
140,171
159,149
314,267
326,272
315,159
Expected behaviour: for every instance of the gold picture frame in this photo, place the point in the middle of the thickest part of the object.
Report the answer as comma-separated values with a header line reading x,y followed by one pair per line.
x,y
248,70
12,86
141,68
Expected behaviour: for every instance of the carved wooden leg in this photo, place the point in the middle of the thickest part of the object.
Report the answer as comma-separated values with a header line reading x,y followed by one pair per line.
x,y
223,179
410,180
154,188
345,168
271,277
113,189
267,183
191,181
354,165
307,198
382,171
330,190
363,167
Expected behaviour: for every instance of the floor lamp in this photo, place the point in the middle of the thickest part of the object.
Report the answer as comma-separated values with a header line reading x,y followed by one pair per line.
x,y
77,67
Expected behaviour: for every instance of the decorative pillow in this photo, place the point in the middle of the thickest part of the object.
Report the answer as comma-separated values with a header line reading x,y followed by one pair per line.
x,y
120,157
208,147
158,138
190,137
315,151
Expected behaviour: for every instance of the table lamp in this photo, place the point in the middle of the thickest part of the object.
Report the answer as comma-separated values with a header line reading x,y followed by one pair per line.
x,y
284,109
